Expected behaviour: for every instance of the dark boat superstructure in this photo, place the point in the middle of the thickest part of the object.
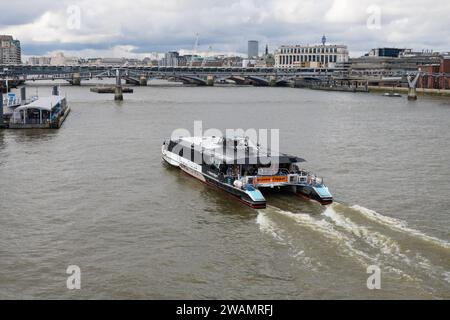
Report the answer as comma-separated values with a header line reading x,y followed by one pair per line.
x,y
238,167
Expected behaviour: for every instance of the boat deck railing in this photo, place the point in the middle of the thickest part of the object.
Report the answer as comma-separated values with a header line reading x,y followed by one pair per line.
x,y
16,102
289,179
302,178
11,102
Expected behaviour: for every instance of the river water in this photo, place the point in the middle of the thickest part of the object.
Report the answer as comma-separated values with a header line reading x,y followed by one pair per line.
x,y
95,194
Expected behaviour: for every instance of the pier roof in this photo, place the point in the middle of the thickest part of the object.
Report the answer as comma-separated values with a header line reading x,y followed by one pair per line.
x,y
46,103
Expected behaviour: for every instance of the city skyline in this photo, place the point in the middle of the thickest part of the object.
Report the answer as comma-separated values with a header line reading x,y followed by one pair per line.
x,y
118,29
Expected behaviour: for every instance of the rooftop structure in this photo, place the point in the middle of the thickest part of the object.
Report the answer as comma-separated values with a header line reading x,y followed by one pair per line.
x,y
387,52
371,66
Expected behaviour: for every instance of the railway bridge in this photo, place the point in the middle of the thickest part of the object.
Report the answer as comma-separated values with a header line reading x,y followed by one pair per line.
x,y
140,75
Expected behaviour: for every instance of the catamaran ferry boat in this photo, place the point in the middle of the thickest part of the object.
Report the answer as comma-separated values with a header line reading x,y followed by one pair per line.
x,y
242,169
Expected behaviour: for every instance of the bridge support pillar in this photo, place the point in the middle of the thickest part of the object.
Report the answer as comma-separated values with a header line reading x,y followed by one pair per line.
x,y
143,81
118,92
412,94
272,81
76,79
210,80
412,82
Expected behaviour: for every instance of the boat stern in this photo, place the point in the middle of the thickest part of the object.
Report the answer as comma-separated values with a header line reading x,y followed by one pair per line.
x,y
319,193
323,195
254,198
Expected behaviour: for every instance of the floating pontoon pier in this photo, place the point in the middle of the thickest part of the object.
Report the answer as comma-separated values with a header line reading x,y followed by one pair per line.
x,y
43,113
110,89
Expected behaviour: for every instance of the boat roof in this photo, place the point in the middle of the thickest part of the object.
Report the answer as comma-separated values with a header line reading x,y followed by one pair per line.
x,y
46,103
247,151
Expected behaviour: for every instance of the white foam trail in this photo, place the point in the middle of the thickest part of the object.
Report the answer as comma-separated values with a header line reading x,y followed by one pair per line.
x,y
386,246
446,276
344,222
400,273
374,239
267,226
398,225
327,229
345,233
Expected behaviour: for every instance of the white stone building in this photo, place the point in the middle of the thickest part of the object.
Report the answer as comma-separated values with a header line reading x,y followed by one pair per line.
x,y
39,61
310,56
61,60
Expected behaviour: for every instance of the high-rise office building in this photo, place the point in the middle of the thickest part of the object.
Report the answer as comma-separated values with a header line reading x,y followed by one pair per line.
x,y
10,51
170,59
253,49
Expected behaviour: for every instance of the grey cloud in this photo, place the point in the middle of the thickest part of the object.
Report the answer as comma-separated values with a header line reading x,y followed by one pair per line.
x,y
227,25
24,11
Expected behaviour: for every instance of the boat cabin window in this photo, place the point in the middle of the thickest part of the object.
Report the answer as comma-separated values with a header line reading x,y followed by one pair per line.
x,y
295,168
249,170
249,188
212,167
172,145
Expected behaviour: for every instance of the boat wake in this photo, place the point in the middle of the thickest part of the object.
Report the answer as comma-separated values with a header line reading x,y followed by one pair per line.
x,y
268,226
398,225
362,235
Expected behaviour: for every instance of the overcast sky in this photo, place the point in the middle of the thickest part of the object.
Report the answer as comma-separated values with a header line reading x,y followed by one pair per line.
x,y
117,28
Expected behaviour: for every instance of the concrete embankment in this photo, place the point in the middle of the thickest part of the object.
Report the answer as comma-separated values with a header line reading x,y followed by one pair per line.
x,y
402,90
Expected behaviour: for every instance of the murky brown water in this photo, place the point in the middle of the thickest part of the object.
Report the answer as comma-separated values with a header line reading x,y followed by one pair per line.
x,y
95,194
